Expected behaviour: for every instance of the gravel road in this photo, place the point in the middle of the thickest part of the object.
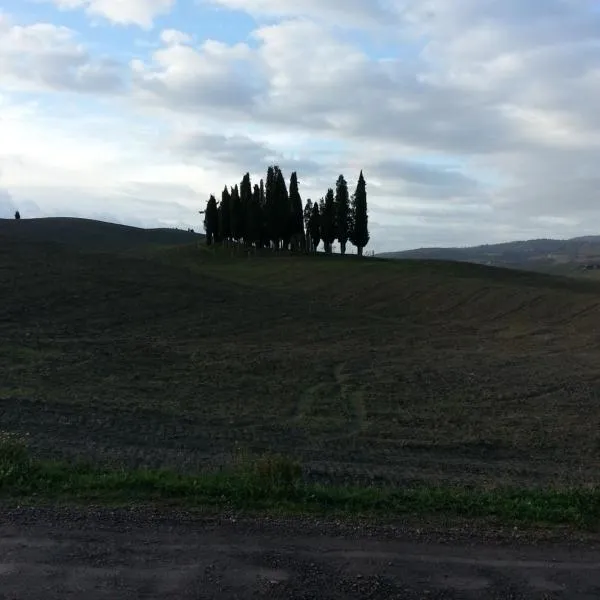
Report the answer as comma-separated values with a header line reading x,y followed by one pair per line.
x,y
100,554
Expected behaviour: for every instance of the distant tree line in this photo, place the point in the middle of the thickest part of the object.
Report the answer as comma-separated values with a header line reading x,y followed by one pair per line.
x,y
271,215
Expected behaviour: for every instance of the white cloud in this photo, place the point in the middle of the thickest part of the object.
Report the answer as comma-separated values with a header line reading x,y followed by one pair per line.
x,y
44,56
172,36
121,12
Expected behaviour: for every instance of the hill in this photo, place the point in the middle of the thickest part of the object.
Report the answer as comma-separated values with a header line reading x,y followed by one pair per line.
x,y
92,235
544,255
408,373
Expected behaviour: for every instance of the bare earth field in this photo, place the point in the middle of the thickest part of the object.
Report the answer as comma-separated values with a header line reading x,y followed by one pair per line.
x,y
365,371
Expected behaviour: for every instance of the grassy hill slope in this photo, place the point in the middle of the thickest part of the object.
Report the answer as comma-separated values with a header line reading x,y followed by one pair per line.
x,y
365,370
92,235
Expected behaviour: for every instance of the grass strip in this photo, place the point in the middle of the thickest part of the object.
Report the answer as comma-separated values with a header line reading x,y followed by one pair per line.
x,y
275,484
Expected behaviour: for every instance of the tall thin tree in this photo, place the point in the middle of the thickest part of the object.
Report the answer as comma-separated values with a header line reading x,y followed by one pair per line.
x,y
314,226
360,219
328,233
342,213
237,214
246,201
211,221
225,216
297,216
308,207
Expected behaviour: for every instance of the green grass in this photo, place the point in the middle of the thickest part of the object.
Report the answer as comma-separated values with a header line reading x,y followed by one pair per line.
x,y
275,484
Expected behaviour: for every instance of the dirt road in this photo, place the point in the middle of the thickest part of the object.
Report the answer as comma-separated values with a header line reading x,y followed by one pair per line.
x,y
99,554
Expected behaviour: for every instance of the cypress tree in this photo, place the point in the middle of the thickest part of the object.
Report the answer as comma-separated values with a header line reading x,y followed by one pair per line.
x,y
264,236
328,234
270,207
282,210
237,214
254,218
211,221
342,213
297,216
360,219
314,226
225,216
246,201
306,215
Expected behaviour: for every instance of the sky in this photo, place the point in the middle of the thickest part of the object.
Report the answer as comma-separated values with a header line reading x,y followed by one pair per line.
x,y
474,121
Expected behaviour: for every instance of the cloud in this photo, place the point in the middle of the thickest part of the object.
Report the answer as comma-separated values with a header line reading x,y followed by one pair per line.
x,y
216,77
477,121
121,12
237,154
44,56
356,13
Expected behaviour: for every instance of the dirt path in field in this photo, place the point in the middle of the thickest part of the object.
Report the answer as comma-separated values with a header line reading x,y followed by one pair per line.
x,y
100,554
342,398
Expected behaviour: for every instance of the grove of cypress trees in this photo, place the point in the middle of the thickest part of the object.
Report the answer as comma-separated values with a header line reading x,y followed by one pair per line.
x,y
267,215
360,219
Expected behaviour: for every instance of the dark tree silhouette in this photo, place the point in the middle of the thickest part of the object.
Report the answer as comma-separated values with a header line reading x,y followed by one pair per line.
x,y
270,207
314,226
342,213
328,232
268,216
246,201
254,219
360,219
237,214
17,215
282,210
297,215
225,216
306,215
211,221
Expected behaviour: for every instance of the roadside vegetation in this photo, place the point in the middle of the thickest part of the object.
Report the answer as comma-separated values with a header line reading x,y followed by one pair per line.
x,y
275,484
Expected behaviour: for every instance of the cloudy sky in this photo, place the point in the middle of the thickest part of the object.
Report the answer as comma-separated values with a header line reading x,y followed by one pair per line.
x,y
474,120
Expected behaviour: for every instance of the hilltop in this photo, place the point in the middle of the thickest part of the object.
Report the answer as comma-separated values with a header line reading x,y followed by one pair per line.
x,y
92,235
543,255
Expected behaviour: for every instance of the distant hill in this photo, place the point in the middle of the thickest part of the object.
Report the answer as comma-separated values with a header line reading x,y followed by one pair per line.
x,y
94,236
545,255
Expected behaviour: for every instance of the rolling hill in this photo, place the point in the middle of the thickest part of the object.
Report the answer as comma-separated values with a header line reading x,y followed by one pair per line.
x,y
544,255
404,372
91,235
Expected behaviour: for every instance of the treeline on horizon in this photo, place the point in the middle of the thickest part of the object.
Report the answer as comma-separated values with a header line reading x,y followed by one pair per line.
x,y
269,215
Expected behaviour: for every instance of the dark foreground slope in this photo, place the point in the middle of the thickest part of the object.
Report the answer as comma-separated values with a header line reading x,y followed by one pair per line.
x,y
366,371
91,235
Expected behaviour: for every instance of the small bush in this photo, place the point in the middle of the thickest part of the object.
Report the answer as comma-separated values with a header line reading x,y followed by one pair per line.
x,y
277,471
267,474
14,455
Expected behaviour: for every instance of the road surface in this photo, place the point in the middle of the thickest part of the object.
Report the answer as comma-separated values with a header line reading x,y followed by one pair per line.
x,y
99,554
